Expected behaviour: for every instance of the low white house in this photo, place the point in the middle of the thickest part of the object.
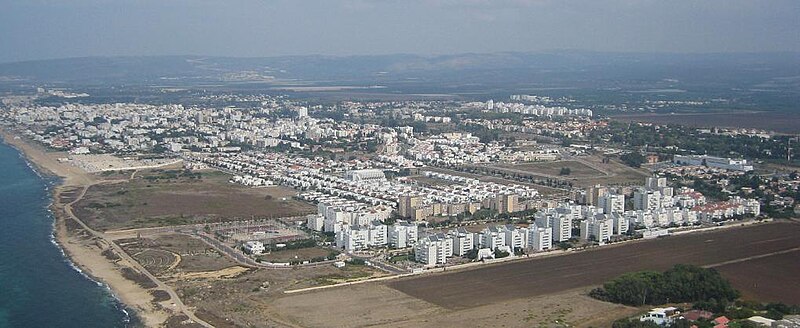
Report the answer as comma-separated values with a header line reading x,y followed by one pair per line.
x,y
254,247
661,316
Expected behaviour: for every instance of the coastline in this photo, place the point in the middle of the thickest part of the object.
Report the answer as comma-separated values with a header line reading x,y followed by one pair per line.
x,y
82,254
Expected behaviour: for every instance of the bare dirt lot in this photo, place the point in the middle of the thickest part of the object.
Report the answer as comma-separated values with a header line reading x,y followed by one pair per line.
x,y
496,283
246,299
159,198
377,305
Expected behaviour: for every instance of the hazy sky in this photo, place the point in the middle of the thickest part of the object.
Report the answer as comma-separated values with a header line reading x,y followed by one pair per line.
x,y
37,29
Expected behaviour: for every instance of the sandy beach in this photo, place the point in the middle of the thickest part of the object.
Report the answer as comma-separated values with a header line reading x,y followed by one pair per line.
x,y
85,251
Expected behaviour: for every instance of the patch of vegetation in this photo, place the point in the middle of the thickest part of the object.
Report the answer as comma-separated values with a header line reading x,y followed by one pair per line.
x,y
499,254
346,275
564,245
633,159
109,254
355,261
159,295
682,283
173,174
634,323
472,254
138,278
400,258
103,205
565,171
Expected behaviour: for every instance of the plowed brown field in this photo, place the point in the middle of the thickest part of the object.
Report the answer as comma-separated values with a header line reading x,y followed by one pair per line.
x,y
766,276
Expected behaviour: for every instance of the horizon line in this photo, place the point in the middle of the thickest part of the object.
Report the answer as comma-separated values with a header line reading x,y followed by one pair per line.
x,y
421,55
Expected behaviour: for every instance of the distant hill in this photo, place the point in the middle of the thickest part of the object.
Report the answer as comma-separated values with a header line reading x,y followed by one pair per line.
x,y
605,81
503,67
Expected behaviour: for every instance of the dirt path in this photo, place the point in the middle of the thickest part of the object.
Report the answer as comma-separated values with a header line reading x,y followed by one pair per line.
x,y
750,258
179,306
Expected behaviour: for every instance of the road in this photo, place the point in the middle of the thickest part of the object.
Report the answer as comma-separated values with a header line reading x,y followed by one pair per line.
x,y
179,305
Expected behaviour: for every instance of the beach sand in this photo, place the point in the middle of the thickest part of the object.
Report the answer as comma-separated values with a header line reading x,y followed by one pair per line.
x,y
85,252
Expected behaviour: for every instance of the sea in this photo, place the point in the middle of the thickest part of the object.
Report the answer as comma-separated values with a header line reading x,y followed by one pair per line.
x,y
39,286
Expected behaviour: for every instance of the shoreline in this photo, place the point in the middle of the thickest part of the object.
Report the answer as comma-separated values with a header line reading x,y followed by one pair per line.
x,y
86,259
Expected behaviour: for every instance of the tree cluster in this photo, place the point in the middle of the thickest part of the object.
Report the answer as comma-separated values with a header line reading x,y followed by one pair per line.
x,y
633,159
682,283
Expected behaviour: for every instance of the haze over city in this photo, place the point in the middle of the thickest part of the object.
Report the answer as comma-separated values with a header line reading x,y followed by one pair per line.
x,y
42,29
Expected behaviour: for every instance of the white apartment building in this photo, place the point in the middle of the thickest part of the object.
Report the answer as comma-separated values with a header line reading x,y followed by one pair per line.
x,y
515,238
315,222
559,220
640,218
377,235
403,234
612,203
425,252
655,182
463,241
356,238
646,199
492,238
540,238
352,239
621,224
338,212
599,228
433,250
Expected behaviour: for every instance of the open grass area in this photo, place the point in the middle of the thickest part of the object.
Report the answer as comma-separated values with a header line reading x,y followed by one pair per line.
x,y
426,181
617,173
160,198
583,171
577,169
300,254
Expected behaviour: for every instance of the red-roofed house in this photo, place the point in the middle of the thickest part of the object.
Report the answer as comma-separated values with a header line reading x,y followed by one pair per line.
x,y
695,315
721,322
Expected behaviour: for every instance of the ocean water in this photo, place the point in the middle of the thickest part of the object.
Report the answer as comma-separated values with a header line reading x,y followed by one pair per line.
x,y
39,287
